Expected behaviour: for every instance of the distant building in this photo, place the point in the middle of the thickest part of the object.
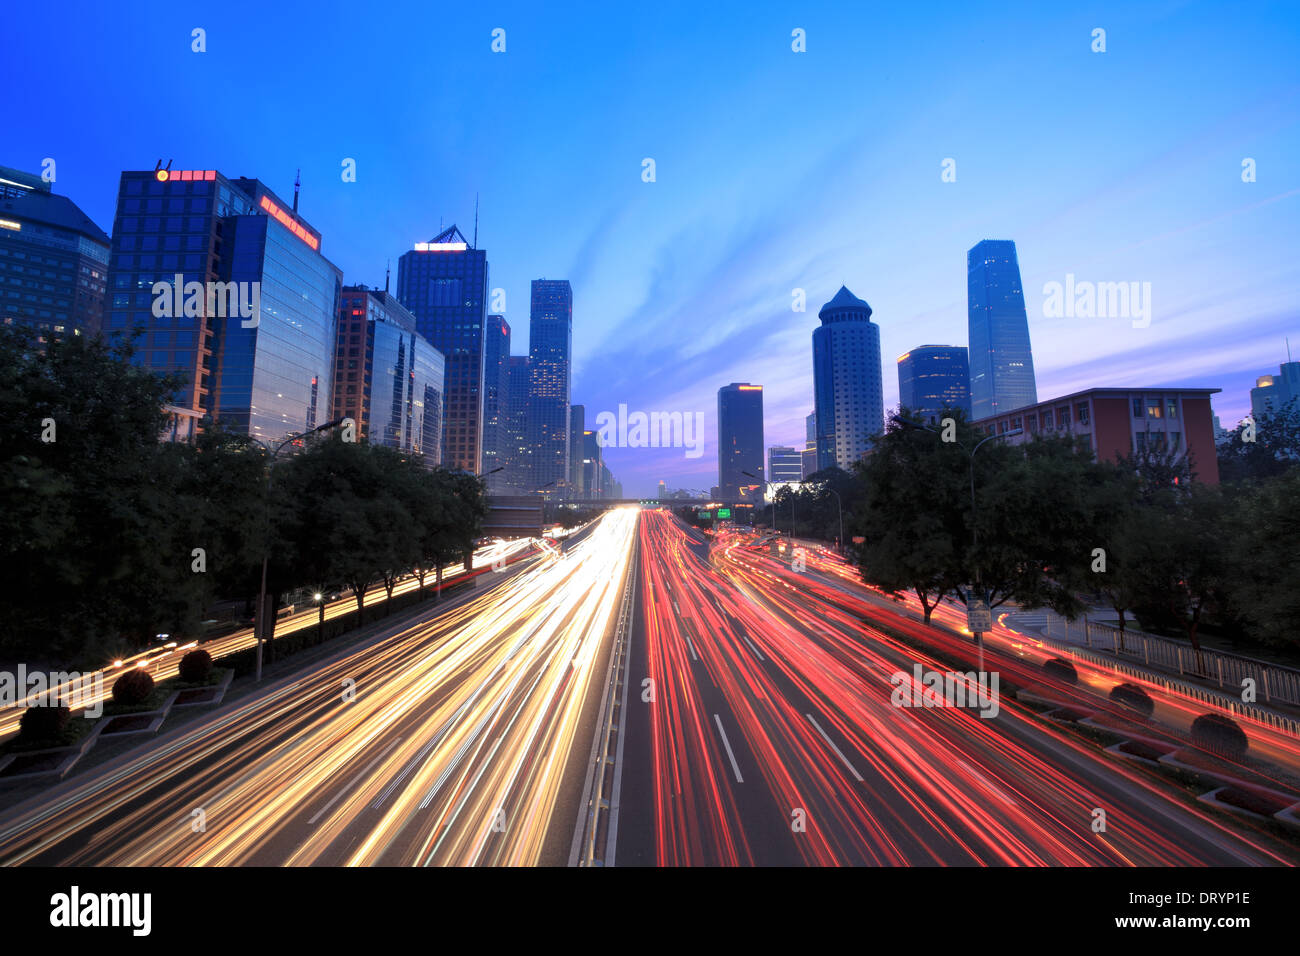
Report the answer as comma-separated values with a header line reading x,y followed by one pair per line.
x,y
784,464
387,378
808,457
740,438
662,492
1001,361
1273,392
550,348
577,426
593,467
240,249
1118,422
517,452
444,283
496,373
933,378
53,259
849,393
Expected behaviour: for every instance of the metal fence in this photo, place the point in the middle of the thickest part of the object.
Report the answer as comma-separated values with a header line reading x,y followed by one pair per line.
x,y
1274,684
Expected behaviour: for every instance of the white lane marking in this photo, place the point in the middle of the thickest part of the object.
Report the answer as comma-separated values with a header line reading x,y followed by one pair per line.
x,y
323,810
984,782
839,753
695,657
676,608
734,766
753,648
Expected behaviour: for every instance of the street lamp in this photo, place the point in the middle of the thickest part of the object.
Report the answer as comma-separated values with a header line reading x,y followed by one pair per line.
x,y
974,514
266,547
793,498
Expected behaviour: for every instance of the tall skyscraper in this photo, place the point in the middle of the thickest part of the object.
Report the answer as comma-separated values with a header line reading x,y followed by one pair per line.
x,y
847,387
809,453
550,345
444,283
1001,362
593,467
237,247
740,438
784,464
53,259
577,425
496,359
1272,393
517,453
387,377
932,378
662,491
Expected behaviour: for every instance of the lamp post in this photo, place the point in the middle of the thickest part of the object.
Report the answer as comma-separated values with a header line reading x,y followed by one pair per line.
x,y
260,624
767,484
974,514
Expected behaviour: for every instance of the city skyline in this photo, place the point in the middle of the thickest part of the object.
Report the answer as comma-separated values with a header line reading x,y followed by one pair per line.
x,y
1151,191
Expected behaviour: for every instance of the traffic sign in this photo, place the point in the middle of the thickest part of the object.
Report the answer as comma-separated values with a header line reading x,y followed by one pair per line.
x,y
979,619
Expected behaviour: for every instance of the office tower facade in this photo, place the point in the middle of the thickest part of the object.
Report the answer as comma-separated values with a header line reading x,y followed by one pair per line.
x,y
933,378
784,464
550,345
1001,362
847,383
577,425
593,467
231,292
662,490
740,439
809,453
53,260
444,284
496,360
517,453
387,378
1273,393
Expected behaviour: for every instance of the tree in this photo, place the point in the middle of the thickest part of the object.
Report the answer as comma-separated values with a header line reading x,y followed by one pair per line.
x,y
1263,588
1275,447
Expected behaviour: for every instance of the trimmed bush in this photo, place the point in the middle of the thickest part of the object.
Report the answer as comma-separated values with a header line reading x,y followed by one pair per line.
x,y
1134,698
1061,670
196,667
1220,735
133,687
43,723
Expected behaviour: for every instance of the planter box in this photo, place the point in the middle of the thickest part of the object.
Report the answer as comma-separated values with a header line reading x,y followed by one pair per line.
x,y
204,696
148,722
50,765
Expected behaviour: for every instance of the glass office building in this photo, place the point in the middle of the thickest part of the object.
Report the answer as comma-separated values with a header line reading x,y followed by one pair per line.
x,y
1001,362
740,439
550,346
932,379
53,259
496,359
387,378
444,284
229,290
847,387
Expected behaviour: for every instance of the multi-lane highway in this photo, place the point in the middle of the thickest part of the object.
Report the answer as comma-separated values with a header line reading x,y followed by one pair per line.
x,y
456,740
773,738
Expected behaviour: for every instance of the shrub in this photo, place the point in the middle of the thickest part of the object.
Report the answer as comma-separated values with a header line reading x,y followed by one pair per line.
x,y
1061,670
196,666
43,723
133,687
1219,735
1132,697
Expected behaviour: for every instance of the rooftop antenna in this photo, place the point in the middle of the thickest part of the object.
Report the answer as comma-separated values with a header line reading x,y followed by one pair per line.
x,y
296,186
1288,350
476,220
388,269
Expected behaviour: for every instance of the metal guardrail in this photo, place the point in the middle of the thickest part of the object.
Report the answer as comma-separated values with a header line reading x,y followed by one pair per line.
x,y
597,825
1274,683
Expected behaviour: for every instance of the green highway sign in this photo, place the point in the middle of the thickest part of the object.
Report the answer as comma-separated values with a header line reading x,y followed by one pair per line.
x,y
705,514
724,513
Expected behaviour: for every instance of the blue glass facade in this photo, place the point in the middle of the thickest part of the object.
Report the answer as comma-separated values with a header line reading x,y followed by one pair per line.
x,y
740,438
496,357
1001,362
550,347
848,392
933,378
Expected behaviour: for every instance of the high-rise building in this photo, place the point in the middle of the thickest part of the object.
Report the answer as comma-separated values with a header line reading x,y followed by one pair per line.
x,y
53,259
662,491
496,359
231,292
809,453
517,453
848,390
593,467
1001,362
784,464
387,378
1272,393
550,345
444,282
577,425
740,439
932,379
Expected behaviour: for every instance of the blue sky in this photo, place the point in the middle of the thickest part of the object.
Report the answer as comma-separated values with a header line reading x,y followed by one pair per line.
x,y
775,170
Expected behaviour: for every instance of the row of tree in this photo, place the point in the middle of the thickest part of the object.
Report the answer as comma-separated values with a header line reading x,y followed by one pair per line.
x,y
109,535
1044,524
